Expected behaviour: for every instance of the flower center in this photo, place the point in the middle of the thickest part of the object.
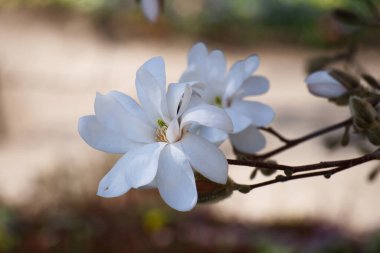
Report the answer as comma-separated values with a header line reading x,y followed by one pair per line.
x,y
218,101
161,131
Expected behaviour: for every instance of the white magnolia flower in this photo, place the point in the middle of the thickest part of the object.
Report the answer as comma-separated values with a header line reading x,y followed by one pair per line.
x,y
227,91
322,84
159,151
150,9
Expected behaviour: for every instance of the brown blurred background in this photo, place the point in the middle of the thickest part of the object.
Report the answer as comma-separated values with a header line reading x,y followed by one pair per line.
x,y
56,54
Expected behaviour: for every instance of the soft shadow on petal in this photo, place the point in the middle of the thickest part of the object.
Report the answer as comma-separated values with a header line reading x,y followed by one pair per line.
x,y
113,116
103,139
141,164
205,157
259,113
113,184
207,115
253,86
173,131
250,140
178,97
240,71
175,179
239,121
130,105
213,135
151,96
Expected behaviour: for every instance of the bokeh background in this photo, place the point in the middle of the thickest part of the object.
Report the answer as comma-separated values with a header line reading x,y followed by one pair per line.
x,y
56,54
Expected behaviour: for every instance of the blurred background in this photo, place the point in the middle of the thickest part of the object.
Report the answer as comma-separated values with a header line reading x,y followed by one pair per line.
x,y
56,54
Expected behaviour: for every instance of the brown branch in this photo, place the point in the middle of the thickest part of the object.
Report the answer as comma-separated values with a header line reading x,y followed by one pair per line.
x,y
326,173
275,133
294,142
302,168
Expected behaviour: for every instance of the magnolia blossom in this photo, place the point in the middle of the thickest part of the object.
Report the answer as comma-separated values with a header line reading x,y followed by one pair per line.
x,y
228,91
159,150
322,84
150,9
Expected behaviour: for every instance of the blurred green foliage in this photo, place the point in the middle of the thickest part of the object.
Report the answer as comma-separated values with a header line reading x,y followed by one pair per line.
x,y
232,21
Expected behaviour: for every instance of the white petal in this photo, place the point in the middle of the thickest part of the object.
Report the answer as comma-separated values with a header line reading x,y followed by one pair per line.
x,y
150,86
197,54
321,84
205,157
156,66
141,164
178,97
151,9
213,135
251,64
103,139
113,184
173,131
239,121
216,65
253,86
259,113
250,140
207,115
113,116
175,179
129,105
240,71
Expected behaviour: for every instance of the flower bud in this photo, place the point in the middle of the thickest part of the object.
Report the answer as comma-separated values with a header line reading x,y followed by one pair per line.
x,y
210,192
373,136
322,84
363,113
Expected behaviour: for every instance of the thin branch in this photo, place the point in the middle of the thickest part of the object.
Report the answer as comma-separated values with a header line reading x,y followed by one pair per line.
x,y
326,173
294,142
275,133
309,167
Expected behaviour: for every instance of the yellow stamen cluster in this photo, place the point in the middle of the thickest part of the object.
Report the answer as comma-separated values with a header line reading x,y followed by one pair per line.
x,y
218,101
161,131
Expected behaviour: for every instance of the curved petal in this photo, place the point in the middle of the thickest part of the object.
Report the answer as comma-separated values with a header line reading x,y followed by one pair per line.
x,y
216,65
197,53
259,113
205,157
239,121
251,64
113,116
98,137
156,67
129,105
141,164
213,135
207,115
175,179
173,131
178,97
150,86
253,86
321,84
249,141
240,71
113,184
